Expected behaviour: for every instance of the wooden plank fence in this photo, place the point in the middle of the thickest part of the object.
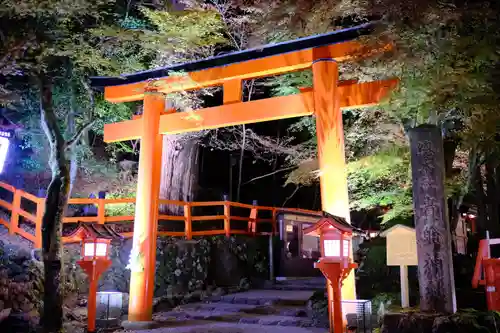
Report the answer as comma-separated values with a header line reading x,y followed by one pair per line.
x,y
15,207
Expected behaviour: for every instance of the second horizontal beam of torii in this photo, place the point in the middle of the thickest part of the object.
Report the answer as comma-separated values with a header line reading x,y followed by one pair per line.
x,y
351,95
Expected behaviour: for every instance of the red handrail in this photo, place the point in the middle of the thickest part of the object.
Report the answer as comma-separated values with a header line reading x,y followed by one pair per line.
x,y
36,218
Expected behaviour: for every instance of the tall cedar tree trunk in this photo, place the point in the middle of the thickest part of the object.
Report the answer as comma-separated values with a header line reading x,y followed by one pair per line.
x,y
179,175
435,262
55,204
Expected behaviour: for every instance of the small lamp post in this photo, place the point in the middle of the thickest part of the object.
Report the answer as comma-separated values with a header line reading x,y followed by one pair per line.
x,y
95,261
335,263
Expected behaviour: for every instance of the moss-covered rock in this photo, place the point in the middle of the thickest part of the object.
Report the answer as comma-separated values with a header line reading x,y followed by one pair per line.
x,y
462,322
317,306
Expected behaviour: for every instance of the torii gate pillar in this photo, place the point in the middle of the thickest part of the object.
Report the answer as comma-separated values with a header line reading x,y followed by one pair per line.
x,y
143,255
331,154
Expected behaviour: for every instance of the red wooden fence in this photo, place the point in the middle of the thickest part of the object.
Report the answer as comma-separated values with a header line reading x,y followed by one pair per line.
x,y
252,219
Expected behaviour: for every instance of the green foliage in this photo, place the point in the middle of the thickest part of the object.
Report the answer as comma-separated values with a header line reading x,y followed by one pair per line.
x,y
154,37
121,209
189,29
382,179
288,84
385,300
307,124
373,275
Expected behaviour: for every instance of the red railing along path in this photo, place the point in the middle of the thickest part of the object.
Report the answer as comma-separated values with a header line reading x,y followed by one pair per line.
x,y
38,204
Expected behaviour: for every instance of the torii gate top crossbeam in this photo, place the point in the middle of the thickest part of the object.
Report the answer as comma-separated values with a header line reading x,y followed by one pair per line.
x,y
264,61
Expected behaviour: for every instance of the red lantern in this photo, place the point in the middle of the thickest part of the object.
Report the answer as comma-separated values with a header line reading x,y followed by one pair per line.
x,y
95,261
335,263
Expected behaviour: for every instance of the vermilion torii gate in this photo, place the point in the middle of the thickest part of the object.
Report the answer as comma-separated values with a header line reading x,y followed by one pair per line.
x,y
326,100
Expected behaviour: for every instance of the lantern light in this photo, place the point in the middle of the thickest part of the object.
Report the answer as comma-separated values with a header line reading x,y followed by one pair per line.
x,y
332,247
4,148
95,248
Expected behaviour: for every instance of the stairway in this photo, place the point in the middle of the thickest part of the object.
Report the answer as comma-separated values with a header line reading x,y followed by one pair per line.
x,y
286,305
314,283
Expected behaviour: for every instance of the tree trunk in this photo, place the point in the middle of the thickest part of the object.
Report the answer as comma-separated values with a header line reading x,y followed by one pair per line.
x,y
449,148
471,171
71,128
179,178
492,206
481,218
57,198
240,163
435,262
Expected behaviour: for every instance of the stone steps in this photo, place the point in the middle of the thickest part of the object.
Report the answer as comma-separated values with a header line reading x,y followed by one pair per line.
x,y
281,303
305,284
259,307
291,311
266,297
294,287
235,317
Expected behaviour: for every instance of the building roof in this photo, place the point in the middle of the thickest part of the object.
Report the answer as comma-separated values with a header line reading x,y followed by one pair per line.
x,y
336,222
338,36
92,230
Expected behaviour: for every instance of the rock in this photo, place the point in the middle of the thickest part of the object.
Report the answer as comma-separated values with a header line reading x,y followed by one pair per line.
x,y
218,292
78,314
416,322
21,278
4,314
17,323
27,307
125,301
301,313
227,267
20,256
244,284
14,269
36,254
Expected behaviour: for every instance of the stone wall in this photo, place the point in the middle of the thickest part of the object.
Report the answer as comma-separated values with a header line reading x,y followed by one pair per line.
x,y
20,288
186,266
185,271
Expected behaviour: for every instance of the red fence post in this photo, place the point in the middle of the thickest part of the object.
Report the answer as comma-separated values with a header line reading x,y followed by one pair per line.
x,y
40,210
252,223
101,207
188,229
14,216
227,216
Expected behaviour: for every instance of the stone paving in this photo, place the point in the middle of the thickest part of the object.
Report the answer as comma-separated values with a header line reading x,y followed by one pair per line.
x,y
261,311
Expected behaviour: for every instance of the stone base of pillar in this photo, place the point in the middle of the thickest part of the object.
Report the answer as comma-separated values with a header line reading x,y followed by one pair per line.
x,y
139,325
